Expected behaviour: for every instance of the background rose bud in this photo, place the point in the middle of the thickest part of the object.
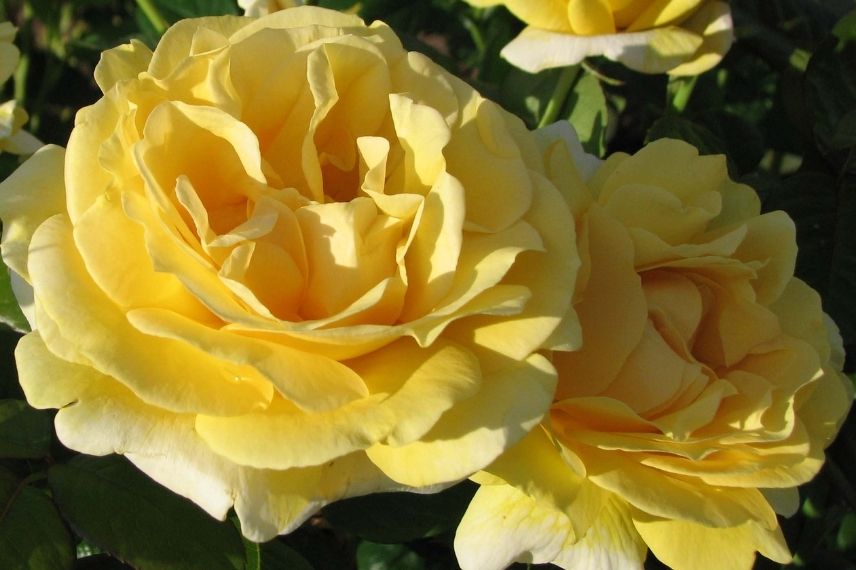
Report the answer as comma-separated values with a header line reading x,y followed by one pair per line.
x,y
12,117
681,37
264,7
284,261
707,387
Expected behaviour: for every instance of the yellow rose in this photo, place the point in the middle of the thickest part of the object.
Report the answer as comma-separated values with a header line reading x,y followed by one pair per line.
x,y
284,261
12,117
264,7
707,387
681,37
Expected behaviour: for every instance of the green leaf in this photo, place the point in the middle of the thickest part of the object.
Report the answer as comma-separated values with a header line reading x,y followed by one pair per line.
x,y
174,10
400,517
116,507
677,127
372,556
845,539
10,312
274,555
586,110
24,432
32,535
526,94
809,198
838,299
830,84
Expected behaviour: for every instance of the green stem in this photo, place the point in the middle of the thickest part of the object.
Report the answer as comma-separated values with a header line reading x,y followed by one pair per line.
x,y
475,35
560,95
154,15
684,91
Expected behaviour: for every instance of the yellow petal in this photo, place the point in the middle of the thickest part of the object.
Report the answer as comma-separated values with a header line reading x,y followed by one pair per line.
x,y
771,239
486,158
654,51
126,61
670,497
612,313
590,17
432,257
474,432
180,379
685,545
175,45
28,197
503,525
47,380
276,438
9,54
113,249
310,381
713,22
546,14
664,12
612,542
538,468
550,304
350,248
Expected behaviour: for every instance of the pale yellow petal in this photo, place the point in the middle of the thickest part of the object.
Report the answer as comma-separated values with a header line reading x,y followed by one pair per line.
x,y
611,543
653,51
47,380
28,197
538,467
503,525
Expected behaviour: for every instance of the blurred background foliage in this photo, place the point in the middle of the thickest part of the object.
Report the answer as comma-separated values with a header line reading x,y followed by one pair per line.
x,y
781,107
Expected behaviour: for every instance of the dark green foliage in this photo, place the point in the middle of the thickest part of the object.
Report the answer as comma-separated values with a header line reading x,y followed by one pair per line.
x,y
115,507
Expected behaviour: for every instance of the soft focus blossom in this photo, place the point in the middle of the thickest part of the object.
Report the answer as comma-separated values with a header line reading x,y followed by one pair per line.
x,y
707,387
284,261
264,7
12,116
681,37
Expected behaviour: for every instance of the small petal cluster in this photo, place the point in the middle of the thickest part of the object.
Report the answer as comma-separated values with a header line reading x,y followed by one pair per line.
x,y
707,387
12,117
284,261
257,8
679,37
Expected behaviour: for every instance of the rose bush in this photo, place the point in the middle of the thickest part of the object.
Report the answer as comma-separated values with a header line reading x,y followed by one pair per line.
x,y
683,37
707,386
283,261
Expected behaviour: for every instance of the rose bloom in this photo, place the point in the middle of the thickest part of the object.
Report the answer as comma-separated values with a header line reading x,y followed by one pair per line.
x,y
264,7
681,37
283,261
707,386
12,117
